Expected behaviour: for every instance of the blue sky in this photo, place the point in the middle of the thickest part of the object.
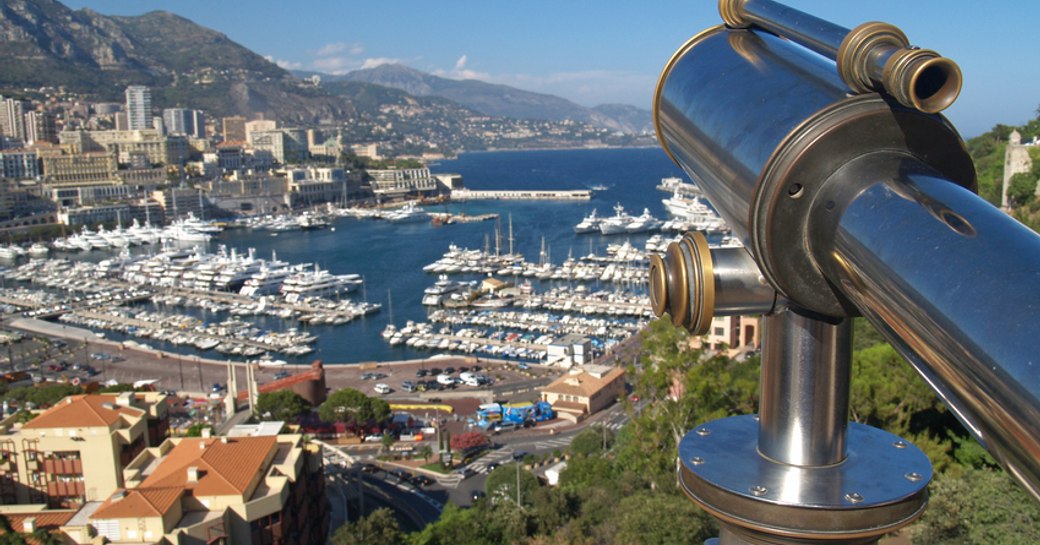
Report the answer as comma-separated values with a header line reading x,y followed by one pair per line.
x,y
604,51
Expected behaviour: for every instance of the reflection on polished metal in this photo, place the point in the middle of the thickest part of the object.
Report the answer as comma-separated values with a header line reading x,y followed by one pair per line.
x,y
804,402
870,57
880,487
847,205
693,283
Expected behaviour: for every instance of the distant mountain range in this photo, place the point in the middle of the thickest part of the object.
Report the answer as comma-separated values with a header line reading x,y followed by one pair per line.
x,y
44,43
499,100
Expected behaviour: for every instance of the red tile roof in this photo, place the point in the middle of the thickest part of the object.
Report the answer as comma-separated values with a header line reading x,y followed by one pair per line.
x,y
139,503
49,519
226,465
83,411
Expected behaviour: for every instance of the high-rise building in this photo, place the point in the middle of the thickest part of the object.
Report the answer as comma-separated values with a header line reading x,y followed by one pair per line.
x,y
40,127
234,129
139,107
184,121
12,123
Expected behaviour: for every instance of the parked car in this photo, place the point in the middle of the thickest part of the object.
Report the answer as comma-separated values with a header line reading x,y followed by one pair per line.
x,y
476,495
281,375
382,388
370,468
505,426
408,386
519,455
422,480
420,373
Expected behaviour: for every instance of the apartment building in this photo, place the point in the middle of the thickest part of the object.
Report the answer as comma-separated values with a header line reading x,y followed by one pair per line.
x,y
75,451
244,490
584,390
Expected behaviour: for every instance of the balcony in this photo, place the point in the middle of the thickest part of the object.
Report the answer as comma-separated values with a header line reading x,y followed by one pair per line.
x,y
63,467
73,489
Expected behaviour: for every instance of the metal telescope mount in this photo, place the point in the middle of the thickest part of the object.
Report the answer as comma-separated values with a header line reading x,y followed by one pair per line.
x,y
823,149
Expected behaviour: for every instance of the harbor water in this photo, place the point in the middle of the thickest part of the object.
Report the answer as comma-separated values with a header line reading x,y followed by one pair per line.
x,y
390,256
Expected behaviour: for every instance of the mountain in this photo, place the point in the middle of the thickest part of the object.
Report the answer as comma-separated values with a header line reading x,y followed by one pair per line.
x,y
94,57
44,43
501,100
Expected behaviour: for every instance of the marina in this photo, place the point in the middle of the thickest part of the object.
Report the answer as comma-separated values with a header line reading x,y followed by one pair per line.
x,y
594,286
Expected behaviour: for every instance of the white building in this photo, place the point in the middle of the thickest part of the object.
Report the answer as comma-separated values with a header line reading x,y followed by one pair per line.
x,y
139,107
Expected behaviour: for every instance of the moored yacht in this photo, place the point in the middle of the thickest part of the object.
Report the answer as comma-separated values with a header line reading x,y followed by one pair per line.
x,y
617,223
590,224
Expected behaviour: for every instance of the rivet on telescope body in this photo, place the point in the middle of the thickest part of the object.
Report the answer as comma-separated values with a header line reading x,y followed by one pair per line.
x,y
703,432
899,444
697,460
913,476
758,490
853,497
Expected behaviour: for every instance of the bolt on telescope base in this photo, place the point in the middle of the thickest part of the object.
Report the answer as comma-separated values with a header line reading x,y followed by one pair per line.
x,y
880,486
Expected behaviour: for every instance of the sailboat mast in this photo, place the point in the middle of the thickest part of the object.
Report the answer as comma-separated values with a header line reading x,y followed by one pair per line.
x,y
510,234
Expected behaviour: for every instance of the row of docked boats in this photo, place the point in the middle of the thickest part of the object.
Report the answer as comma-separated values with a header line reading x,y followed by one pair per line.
x,y
307,221
623,264
230,271
188,229
687,208
620,223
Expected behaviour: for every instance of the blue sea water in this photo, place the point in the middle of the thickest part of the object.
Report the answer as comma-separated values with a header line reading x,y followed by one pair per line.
x,y
390,256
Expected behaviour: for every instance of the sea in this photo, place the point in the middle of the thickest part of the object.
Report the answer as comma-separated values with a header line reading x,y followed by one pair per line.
x,y
390,256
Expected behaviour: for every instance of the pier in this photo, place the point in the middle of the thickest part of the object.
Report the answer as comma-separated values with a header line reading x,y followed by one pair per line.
x,y
522,195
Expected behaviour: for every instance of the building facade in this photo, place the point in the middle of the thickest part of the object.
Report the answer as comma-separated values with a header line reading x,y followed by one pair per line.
x,y
267,490
585,390
75,451
138,107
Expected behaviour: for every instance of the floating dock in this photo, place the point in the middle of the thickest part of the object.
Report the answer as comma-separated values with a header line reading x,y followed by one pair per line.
x,y
522,195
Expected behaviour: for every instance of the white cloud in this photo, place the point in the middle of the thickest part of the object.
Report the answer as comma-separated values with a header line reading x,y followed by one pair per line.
x,y
459,71
379,61
332,49
286,65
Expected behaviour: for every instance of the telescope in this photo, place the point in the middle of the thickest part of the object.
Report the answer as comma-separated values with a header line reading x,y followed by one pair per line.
x,y
824,150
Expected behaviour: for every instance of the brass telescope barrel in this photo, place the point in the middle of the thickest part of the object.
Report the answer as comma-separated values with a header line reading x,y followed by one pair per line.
x,y
871,57
855,205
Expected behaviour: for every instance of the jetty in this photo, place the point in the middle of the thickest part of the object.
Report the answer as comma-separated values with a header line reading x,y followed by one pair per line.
x,y
521,195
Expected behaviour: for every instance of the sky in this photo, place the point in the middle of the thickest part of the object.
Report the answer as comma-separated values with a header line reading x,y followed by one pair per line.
x,y
608,51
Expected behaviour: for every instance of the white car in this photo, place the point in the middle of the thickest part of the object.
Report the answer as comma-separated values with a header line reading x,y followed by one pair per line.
x,y
445,379
382,388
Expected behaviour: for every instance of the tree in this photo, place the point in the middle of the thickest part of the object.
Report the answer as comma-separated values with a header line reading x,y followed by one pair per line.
x,y
592,441
651,518
501,484
982,507
350,405
284,405
378,528
196,430
468,440
41,396
1021,188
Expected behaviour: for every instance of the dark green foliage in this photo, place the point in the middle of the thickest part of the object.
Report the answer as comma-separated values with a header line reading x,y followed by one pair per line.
x,y
378,528
592,441
350,405
979,507
41,396
284,405
501,485
1021,188
196,430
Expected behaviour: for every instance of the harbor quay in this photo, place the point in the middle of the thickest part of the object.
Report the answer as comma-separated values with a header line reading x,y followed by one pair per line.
x,y
525,194
194,374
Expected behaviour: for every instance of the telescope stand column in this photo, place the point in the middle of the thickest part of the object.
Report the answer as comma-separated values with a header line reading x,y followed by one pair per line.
x,y
800,473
